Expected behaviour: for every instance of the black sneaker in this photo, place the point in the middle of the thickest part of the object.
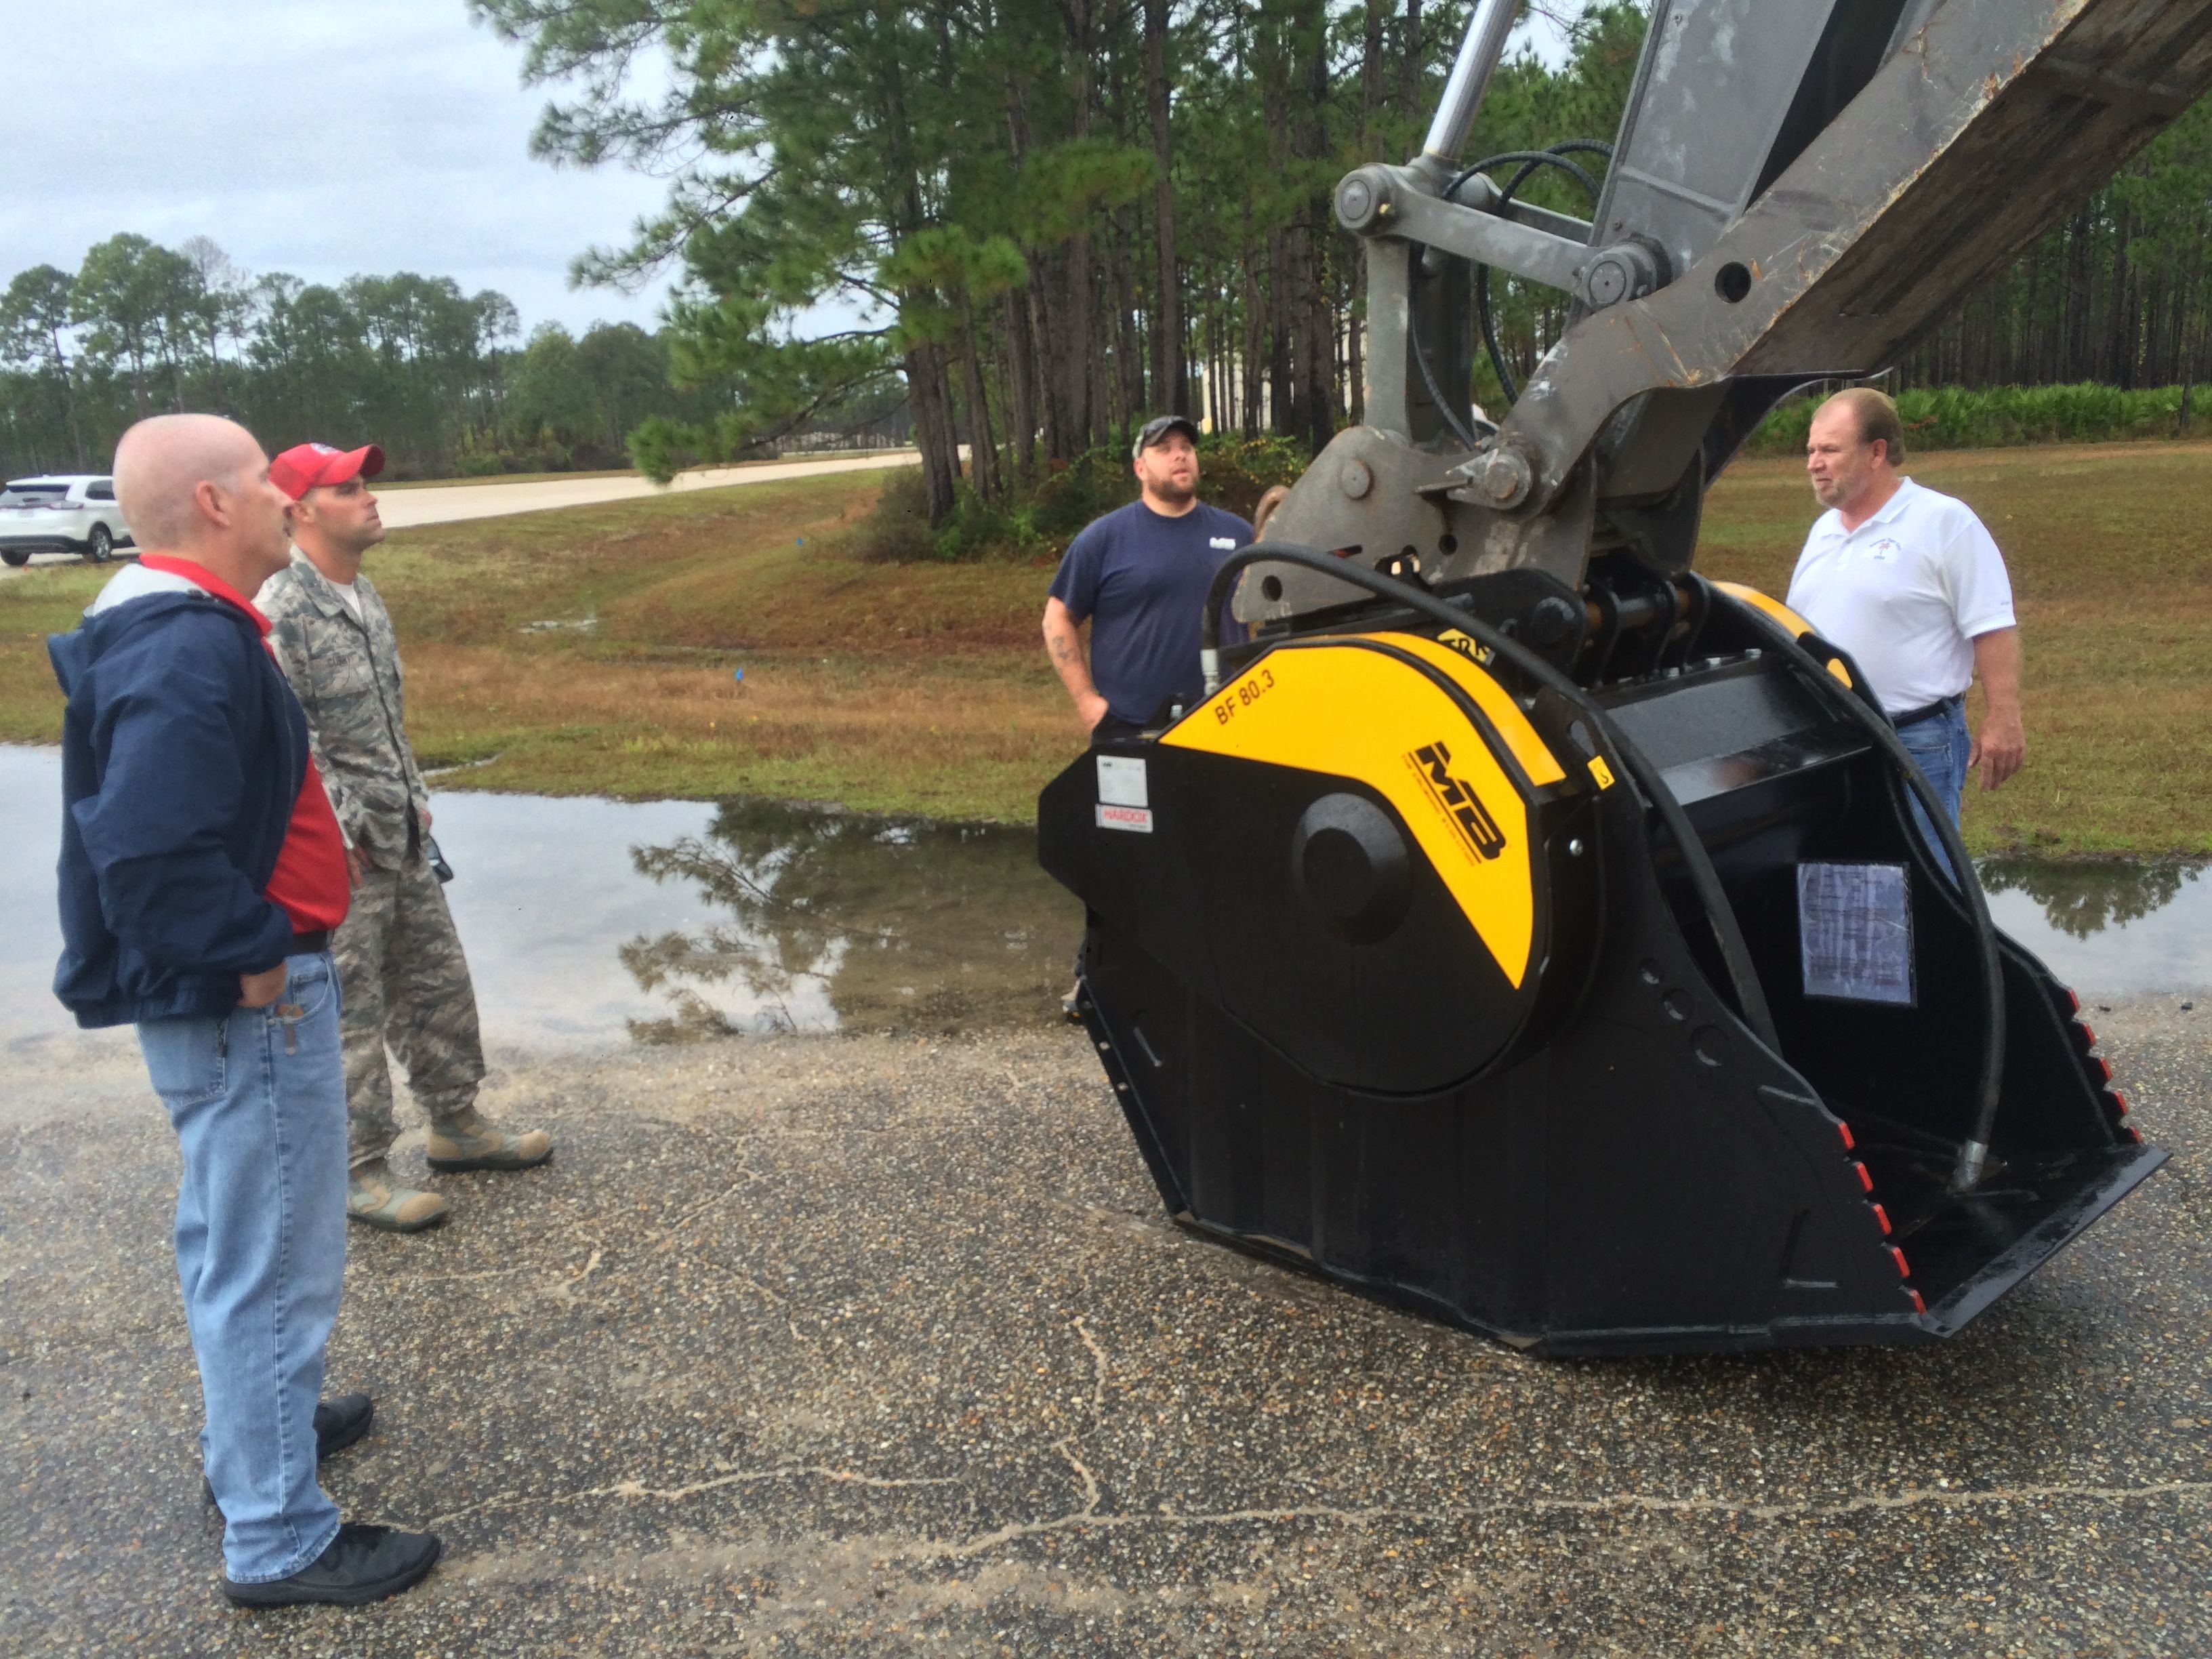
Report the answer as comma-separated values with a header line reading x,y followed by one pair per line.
x,y
363,1564
339,1423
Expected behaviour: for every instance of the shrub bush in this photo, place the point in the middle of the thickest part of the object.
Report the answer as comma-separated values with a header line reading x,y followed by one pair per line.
x,y
1232,473
1072,495
1955,417
897,529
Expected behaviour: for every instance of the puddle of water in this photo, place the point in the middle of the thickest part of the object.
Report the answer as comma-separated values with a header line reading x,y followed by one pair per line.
x,y
590,922
2118,927
896,922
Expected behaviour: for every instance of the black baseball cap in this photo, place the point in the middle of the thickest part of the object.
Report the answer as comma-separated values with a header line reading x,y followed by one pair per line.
x,y
1156,429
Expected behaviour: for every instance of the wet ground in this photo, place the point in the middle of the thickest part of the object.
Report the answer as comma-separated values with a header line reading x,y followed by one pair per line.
x,y
588,923
879,1344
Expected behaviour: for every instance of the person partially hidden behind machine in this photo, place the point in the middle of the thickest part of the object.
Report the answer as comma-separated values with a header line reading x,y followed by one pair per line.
x,y
1911,584
1139,576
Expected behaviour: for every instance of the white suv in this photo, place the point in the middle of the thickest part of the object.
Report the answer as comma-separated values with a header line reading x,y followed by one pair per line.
x,y
61,512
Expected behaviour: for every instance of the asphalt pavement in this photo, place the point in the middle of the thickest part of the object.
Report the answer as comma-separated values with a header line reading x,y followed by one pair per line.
x,y
877,1345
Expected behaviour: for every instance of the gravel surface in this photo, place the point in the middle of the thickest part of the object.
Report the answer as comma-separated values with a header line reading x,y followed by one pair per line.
x,y
871,1345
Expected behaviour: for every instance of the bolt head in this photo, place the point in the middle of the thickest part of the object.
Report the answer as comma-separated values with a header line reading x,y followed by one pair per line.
x,y
1551,621
1607,284
1356,479
1505,478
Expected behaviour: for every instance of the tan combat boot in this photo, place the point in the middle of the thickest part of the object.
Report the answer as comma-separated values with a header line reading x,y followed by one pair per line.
x,y
469,1141
375,1200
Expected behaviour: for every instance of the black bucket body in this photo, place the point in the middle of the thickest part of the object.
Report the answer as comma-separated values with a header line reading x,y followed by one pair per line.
x,y
1395,980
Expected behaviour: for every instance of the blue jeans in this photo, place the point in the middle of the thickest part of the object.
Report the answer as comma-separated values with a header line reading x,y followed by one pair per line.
x,y
1940,745
258,1099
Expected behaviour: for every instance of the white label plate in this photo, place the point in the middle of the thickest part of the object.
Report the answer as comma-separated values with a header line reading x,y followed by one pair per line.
x,y
1855,931
1121,781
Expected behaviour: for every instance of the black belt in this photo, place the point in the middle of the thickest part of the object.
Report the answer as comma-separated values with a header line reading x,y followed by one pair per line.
x,y
1941,705
311,944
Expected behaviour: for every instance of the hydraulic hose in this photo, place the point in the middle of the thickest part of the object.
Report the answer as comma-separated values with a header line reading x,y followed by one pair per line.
x,y
1735,955
1973,1155
1530,161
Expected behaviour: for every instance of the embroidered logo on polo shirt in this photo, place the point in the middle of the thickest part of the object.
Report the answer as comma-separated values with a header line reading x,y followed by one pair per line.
x,y
1883,551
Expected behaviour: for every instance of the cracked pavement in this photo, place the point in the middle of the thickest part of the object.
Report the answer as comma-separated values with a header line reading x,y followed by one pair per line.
x,y
879,1345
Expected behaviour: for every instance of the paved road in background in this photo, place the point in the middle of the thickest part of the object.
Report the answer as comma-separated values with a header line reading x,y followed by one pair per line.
x,y
451,503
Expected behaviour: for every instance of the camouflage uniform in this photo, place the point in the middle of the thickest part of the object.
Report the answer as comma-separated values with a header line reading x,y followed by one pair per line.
x,y
400,968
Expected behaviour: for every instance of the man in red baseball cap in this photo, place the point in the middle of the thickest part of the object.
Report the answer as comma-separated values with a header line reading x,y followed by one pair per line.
x,y
400,965
313,466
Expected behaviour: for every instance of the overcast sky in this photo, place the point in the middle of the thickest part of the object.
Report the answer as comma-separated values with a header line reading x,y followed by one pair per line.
x,y
318,139
322,140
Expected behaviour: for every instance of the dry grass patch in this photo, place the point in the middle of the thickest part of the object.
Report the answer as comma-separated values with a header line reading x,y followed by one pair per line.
x,y
965,741
805,598
924,687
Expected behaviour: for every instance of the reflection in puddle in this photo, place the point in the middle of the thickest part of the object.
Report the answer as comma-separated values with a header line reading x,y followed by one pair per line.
x,y
899,923
2113,927
588,921
2081,900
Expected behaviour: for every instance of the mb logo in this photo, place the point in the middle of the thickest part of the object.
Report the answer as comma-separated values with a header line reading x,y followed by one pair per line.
x,y
1432,765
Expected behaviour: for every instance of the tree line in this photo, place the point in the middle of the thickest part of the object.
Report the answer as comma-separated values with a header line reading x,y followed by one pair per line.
x,y
1014,226
1041,219
443,380
2118,294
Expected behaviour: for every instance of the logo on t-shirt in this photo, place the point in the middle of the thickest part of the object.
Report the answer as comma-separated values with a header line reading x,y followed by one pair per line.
x,y
1227,543
1883,551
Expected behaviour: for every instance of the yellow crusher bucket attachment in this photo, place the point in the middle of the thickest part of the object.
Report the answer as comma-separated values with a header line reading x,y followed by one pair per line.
x,y
1545,941
1635,1020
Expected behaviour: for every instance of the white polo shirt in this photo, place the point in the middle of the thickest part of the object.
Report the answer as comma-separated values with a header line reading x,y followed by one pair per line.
x,y
1905,593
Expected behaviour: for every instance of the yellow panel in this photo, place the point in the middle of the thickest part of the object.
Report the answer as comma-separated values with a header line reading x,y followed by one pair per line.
x,y
1358,713
1797,625
1463,662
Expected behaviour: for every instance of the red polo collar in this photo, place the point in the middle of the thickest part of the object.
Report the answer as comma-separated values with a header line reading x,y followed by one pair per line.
x,y
201,577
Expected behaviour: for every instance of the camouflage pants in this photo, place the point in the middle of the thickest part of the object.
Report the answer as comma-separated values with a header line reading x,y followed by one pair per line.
x,y
406,983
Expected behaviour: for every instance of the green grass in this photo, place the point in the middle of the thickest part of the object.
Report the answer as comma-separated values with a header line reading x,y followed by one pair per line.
x,y
924,688
2114,594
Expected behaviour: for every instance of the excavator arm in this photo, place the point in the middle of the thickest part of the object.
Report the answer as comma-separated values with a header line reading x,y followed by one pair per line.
x,y
1798,192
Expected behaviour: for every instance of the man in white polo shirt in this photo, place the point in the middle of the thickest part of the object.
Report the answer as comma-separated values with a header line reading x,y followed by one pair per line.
x,y
1911,584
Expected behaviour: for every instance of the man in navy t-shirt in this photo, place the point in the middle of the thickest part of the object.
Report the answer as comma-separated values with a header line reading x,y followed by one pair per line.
x,y
1139,576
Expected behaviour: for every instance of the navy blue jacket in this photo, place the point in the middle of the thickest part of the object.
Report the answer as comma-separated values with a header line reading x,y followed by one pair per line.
x,y
183,753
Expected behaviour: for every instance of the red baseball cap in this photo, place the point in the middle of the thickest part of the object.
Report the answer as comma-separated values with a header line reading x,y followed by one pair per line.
x,y
310,467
